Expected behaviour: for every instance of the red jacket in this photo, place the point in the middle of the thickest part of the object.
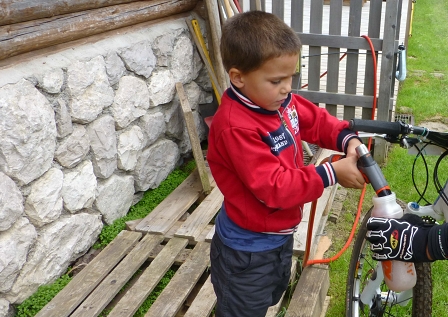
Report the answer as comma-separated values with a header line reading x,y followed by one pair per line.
x,y
256,159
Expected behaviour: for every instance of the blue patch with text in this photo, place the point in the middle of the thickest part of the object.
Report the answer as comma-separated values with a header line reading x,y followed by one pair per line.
x,y
278,140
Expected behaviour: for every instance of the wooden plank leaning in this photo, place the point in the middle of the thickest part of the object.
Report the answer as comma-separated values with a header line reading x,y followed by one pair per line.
x,y
82,284
194,138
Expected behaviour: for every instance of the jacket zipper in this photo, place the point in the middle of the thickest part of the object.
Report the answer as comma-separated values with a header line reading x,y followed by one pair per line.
x,y
291,135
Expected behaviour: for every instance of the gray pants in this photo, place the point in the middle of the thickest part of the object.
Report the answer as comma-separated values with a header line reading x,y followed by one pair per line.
x,y
247,283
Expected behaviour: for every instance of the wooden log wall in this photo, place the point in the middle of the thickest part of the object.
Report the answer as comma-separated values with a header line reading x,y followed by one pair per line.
x,y
38,24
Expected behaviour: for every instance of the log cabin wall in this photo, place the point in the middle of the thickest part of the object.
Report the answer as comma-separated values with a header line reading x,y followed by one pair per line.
x,y
89,120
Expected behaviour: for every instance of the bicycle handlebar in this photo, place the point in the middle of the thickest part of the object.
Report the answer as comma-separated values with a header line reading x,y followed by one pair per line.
x,y
398,128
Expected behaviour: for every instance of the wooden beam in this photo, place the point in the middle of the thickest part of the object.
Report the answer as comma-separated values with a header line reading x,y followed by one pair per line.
x,y
28,36
215,27
14,11
194,138
310,292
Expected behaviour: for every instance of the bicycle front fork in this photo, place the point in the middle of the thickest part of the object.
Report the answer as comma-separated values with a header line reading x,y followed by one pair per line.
x,y
389,298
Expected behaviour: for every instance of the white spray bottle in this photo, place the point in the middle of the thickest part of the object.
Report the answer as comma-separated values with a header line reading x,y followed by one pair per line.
x,y
399,276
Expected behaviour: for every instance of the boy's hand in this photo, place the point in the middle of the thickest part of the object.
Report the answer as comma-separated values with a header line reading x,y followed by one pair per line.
x,y
347,172
351,148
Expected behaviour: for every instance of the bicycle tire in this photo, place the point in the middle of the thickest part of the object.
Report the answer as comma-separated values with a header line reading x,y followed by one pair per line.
x,y
362,266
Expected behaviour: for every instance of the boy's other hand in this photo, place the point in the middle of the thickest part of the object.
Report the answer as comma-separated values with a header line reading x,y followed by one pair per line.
x,y
351,148
348,173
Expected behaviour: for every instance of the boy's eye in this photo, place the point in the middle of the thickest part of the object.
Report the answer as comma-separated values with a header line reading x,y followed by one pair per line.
x,y
275,82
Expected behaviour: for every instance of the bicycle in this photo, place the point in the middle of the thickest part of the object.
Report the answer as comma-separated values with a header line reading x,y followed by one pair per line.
x,y
366,292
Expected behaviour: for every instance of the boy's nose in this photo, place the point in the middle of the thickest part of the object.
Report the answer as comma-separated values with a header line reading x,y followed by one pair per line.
x,y
286,89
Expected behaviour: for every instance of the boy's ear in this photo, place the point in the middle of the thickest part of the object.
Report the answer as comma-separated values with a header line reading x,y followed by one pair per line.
x,y
236,77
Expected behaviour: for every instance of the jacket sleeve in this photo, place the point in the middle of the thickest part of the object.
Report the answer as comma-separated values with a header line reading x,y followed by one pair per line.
x,y
317,126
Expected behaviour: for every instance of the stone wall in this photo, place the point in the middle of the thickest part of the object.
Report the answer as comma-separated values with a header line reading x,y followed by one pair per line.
x,y
83,133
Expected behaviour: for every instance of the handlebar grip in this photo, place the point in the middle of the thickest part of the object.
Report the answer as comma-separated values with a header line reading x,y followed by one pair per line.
x,y
375,126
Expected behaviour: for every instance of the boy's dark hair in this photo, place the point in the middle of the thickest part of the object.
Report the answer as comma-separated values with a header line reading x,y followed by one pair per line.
x,y
249,39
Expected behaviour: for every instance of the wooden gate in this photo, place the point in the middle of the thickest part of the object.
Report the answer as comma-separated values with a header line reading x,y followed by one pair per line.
x,y
337,69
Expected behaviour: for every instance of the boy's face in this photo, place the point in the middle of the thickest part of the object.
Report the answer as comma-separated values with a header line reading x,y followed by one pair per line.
x,y
269,85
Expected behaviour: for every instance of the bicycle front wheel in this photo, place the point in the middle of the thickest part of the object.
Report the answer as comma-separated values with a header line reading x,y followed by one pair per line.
x,y
363,268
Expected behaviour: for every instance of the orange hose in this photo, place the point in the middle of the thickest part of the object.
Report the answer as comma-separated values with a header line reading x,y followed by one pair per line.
x,y
309,234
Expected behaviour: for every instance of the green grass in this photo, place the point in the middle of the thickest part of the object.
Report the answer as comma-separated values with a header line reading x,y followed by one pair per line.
x,y
424,94
422,91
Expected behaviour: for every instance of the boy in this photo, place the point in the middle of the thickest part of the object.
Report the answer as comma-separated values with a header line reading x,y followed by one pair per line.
x,y
255,156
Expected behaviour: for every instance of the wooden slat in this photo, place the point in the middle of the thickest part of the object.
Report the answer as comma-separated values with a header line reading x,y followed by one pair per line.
x,y
342,41
337,98
215,30
316,281
385,78
204,301
297,15
173,206
84,282
373,32
278,8
24,37
351,70
194,137
209,236
112,284
297,25
201,217
333,53
173,296
315,51
149,279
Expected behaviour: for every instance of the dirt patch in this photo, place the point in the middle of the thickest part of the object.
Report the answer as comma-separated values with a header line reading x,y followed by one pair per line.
x,y
436,124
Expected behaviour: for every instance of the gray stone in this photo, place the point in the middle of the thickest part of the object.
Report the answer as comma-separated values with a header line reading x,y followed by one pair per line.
x,y
163,47
103,142
161,87
139,58
155,163
58,244
6,310
74,148
14,246
131,101
11,202
153,126
52,81
114,67
27,132
130,145
174,119
114,197
79,187
182,60
89,89
64,124
44,204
